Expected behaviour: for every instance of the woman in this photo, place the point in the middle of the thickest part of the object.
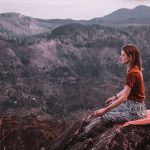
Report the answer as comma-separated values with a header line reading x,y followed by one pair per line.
x,y
124,106
129,104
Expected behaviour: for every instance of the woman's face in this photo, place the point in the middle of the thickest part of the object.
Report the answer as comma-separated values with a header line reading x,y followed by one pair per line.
x,y
125,59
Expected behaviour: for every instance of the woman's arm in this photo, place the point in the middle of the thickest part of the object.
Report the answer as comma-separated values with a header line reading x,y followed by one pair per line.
x,y
119,94
113,98
123,96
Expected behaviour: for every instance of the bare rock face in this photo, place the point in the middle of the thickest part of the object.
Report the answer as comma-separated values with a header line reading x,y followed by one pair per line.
x,y
102,137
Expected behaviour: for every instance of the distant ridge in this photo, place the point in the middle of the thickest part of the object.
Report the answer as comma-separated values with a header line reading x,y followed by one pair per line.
x,y
139,12
16,24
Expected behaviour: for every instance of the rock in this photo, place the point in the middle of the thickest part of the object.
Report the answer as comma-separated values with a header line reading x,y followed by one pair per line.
x,y
110,137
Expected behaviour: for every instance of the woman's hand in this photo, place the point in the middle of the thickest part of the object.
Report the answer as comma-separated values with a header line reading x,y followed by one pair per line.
x,y
110,100
100,112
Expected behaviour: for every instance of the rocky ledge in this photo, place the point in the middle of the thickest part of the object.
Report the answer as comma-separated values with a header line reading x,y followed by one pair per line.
x,y
91,137
29,133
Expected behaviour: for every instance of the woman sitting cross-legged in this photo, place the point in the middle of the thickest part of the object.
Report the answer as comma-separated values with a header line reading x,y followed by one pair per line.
x,y
128,104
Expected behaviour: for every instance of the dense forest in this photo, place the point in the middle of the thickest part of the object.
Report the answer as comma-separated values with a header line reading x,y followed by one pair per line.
x,y
68,71
53,72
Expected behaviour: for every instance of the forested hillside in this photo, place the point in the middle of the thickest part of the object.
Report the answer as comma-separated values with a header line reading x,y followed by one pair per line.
x,y
68,71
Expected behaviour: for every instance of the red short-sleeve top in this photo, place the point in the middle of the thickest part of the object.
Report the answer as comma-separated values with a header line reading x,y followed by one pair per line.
x,y
134,79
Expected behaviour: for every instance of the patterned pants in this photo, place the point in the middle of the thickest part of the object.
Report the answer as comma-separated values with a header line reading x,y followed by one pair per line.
x,y
128,110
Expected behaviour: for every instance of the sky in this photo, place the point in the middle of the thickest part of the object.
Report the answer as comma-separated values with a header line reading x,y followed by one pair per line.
x,y
67,9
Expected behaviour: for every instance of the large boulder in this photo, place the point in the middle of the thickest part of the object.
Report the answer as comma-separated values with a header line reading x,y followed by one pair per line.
x,y
96,136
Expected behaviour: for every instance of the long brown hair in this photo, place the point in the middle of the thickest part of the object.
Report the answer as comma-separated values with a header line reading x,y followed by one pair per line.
x,y
133,51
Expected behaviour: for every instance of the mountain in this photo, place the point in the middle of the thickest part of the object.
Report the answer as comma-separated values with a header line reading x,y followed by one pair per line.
x,y
67,72
61,69
139,12
15,25
140,15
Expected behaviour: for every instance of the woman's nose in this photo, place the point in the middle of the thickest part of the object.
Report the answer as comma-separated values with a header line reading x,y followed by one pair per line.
x,y
120,59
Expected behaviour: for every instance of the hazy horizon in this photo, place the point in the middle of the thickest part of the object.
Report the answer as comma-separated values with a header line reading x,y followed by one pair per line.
x,y
63,9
